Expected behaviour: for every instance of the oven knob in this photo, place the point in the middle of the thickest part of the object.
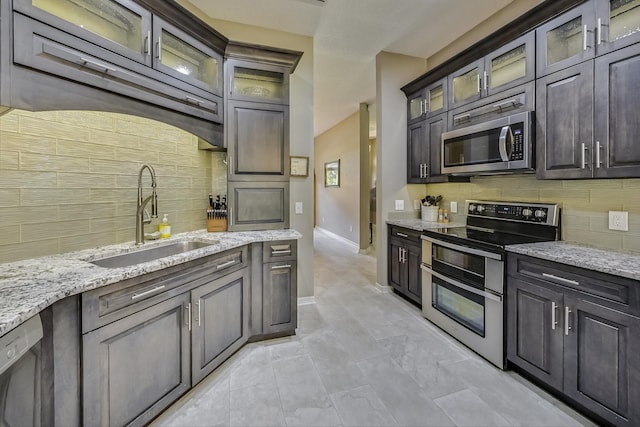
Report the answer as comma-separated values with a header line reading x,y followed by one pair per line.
x,y
540,213
527,212
481,208
472,208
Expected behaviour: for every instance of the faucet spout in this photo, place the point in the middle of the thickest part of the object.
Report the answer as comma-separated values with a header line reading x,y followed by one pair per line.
x,y
141,203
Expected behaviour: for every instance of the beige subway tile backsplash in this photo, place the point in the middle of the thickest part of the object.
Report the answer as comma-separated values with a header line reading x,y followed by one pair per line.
x,y
68,179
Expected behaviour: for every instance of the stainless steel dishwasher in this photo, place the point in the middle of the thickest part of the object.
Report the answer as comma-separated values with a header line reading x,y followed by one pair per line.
x,y
20,375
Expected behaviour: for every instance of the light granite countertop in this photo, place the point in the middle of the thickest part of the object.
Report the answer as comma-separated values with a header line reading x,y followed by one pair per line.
x,y
624,264
27,287
419,225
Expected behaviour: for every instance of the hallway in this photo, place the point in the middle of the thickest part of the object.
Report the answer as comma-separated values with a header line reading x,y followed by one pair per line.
x,y
362,358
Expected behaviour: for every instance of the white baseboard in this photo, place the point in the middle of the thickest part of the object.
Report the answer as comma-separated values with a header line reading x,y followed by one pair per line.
x,y
354,246
383,289
306,300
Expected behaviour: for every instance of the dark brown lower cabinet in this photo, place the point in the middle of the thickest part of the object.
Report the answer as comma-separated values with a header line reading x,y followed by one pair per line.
x,y
279,297
404,256
579,333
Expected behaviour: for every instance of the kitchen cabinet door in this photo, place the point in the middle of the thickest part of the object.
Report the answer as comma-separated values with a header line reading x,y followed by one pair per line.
x,y
616,151
465,84
415,107
121,26
414,274
220,321
417,154
258,205
434,128
397,269
534,330
279,296
135,367
564,116
511,65
257,141
566,40
602,360
252,81
617,24
403,263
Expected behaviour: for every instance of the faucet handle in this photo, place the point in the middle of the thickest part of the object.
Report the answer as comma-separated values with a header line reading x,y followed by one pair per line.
x,y
147,220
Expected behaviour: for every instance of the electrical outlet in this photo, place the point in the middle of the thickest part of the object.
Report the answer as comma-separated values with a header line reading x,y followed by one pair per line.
x,y
619,220
453,207
399,205
298,208
416,205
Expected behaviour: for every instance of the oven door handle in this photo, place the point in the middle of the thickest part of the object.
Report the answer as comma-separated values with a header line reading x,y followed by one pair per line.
x,y
464,249
486,294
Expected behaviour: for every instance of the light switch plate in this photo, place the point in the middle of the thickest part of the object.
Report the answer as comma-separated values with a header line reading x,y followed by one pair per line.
x,y
416,205
399,205
299,208
619,220
453,207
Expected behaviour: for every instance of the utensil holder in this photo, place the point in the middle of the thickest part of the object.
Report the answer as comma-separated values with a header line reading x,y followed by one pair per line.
x,y
430,213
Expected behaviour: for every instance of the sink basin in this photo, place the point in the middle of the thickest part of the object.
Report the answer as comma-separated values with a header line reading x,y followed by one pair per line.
x,y
150,254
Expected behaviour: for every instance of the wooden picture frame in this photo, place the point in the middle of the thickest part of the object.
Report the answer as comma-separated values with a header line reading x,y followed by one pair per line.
x,y
332,174
299,166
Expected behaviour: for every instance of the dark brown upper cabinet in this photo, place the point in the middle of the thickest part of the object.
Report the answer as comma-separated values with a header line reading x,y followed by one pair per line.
x,y
428,102
251,81
508,66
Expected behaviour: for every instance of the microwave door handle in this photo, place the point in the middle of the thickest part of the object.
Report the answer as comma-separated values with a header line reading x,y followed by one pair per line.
x,y
504,151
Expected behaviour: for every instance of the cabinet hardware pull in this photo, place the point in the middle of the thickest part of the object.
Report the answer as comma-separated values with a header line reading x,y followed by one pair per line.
x,y
147,43
567,313
421,108
561,279
198,304
599,30
97,65
400,255
461,118
404,256
479,83
193,100
486,83
145,293
583,155
554,320
598,159
512,103
282,251
159,48
279,267
226,264
401,235
188,307
584,37
426,106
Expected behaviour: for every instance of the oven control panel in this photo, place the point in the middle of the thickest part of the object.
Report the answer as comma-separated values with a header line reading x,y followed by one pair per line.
x,y
538,213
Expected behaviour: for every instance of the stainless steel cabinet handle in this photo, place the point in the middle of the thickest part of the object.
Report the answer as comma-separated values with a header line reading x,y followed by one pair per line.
x,y
198,304
599,30
279,267
226,264
283,251
598,159
145,293
486,83
584,37
147,43
554,314
401,235
426,106
567,314
159,48
400,255
97,65
193,100
479,83
583,155
188,308
461,118
561,279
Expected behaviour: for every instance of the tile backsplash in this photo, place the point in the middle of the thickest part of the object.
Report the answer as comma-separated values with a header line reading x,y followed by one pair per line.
x,y
585,204
68,179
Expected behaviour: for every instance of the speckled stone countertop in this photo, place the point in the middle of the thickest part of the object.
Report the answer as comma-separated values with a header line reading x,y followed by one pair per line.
x,y
27,287
617,263
419,225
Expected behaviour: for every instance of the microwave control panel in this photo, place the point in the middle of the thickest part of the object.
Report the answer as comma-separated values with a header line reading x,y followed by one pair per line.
x,y
517,149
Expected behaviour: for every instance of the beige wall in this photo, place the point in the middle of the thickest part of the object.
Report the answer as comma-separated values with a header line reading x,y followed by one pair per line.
x,y
338,209
301,133
68,179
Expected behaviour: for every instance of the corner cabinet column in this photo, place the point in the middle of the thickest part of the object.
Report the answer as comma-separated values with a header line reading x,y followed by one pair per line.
x,y
257,135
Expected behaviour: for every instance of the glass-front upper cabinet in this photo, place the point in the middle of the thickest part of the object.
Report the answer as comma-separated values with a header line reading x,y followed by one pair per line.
x,y
508,66
428,102
617,24
121,26
185,58
252,81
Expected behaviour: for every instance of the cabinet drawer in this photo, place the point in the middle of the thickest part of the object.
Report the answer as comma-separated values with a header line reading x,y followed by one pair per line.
x,y
405,234
105,305
283,250
613,291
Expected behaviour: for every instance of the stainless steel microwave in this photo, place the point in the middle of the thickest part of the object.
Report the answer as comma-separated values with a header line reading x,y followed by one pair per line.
x,y
503,145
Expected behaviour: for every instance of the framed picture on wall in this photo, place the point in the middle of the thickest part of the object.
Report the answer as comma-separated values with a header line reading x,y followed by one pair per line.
x,y
332,174
299,166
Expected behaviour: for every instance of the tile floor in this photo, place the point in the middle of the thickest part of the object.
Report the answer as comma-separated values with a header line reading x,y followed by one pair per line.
x,y
362,358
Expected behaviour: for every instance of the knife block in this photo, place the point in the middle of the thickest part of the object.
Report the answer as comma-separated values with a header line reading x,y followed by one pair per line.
x,y
216,224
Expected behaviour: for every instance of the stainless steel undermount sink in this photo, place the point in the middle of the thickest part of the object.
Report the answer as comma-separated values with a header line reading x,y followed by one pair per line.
x,y
150,254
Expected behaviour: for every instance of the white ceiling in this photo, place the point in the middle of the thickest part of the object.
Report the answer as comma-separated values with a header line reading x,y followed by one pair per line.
x,y
348,34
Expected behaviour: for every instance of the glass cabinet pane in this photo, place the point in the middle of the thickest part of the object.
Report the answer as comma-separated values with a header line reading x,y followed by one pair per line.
x,y
415,107
106,18
258,83
436,99
564,41
624,18
508,67
187,60
466,85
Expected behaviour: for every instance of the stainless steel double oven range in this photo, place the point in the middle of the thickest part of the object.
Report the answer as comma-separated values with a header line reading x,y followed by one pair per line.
x,y
464,274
